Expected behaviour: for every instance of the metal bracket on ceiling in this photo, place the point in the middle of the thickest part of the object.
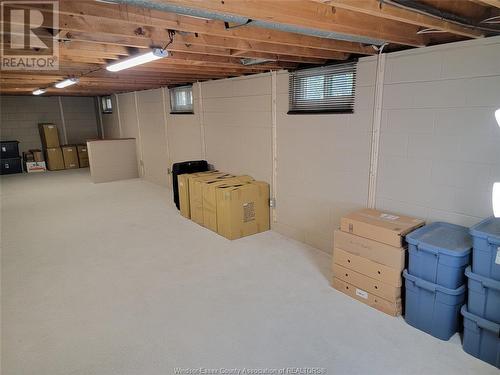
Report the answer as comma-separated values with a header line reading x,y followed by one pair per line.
x,y
227,27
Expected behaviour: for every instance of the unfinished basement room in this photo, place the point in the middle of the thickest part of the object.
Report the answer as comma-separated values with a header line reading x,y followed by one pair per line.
x,y
250,187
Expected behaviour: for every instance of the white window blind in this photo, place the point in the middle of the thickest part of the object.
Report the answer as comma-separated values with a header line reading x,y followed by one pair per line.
x,y
107,104
327,89
181,99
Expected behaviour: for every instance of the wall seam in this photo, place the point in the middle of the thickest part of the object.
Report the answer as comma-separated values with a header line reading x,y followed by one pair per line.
x,y
202,122
375,134
63,122
139,138
274,146
120,132
165,119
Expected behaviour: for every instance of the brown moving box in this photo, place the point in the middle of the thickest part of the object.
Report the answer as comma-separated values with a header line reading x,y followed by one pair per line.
x,y
376,287
195,194
379,303
70,155
49,135
380,226
37,155
376,251
210,198
243,209
183,185
83,156
388,275
54,158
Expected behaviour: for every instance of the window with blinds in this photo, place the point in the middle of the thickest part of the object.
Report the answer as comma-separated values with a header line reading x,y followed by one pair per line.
x,y
328,89
181,100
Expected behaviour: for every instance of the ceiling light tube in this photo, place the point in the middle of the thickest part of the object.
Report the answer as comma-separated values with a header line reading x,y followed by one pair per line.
x,y
66,83
497,116
153,55
39,91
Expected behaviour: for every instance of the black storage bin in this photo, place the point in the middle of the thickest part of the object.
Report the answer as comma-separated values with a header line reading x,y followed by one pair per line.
x,y
11,166
182,168
9,149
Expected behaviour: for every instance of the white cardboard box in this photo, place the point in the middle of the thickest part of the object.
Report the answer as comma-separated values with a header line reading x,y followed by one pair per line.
x,y
35,166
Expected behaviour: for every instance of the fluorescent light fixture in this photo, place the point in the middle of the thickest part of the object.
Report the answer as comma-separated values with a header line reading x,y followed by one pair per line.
x,y
155,54
39,91
495,197
497,116
66,83
248,61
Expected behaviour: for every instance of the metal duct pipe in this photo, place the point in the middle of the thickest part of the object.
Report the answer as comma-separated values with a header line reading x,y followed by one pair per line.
x,y
193,12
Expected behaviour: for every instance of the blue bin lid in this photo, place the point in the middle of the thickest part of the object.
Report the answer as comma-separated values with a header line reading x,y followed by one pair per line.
x,y
488,228
450,239
427,285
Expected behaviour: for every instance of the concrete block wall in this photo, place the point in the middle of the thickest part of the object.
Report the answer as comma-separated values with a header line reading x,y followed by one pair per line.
x,y
20,116
439,151
438,156
323,163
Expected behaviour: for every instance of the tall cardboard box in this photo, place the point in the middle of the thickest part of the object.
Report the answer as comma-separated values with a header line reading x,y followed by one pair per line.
x,y
54,159
83,156
380,226
49,135
242,209
195,194
70,156
209,190
183,185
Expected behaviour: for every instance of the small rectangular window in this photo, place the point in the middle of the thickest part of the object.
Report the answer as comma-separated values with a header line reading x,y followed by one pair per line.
x,y
327,89
106,103
181,100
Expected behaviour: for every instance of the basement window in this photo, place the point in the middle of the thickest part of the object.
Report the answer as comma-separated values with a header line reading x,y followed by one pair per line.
x,y
181,100
328,89
106,104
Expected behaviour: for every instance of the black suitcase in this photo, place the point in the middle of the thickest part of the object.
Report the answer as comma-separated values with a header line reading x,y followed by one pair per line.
x,y
182,168
9,149
11,166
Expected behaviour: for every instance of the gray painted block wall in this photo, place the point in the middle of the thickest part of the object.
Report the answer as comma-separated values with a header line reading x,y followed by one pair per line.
x,y
20,116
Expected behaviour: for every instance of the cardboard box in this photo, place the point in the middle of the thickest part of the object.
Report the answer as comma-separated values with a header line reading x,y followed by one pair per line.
x,y
83,156
243,209
379,303
377,271
35,166
70,156
54,158
37,155
195,193
209,197
389,292
112,159
183,186
380,226
49,135
376,251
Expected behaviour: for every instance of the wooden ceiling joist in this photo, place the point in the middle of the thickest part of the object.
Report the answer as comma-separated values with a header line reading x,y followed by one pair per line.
x,y
93,34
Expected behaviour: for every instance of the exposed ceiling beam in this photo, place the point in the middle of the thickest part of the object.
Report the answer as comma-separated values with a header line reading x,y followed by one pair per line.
x,y
493,3
307,14
390,11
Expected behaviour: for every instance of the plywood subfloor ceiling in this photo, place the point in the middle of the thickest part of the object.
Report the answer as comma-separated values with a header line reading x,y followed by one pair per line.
x,y
286,34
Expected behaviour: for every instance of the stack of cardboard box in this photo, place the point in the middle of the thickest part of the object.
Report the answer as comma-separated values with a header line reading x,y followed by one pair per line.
x,y
369,256
233,206
33,161
50,143
61,157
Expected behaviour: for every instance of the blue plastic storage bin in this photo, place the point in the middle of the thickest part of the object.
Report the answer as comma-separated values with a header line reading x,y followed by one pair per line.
x,y
433,308
486,253
439,253
481,338
484,296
